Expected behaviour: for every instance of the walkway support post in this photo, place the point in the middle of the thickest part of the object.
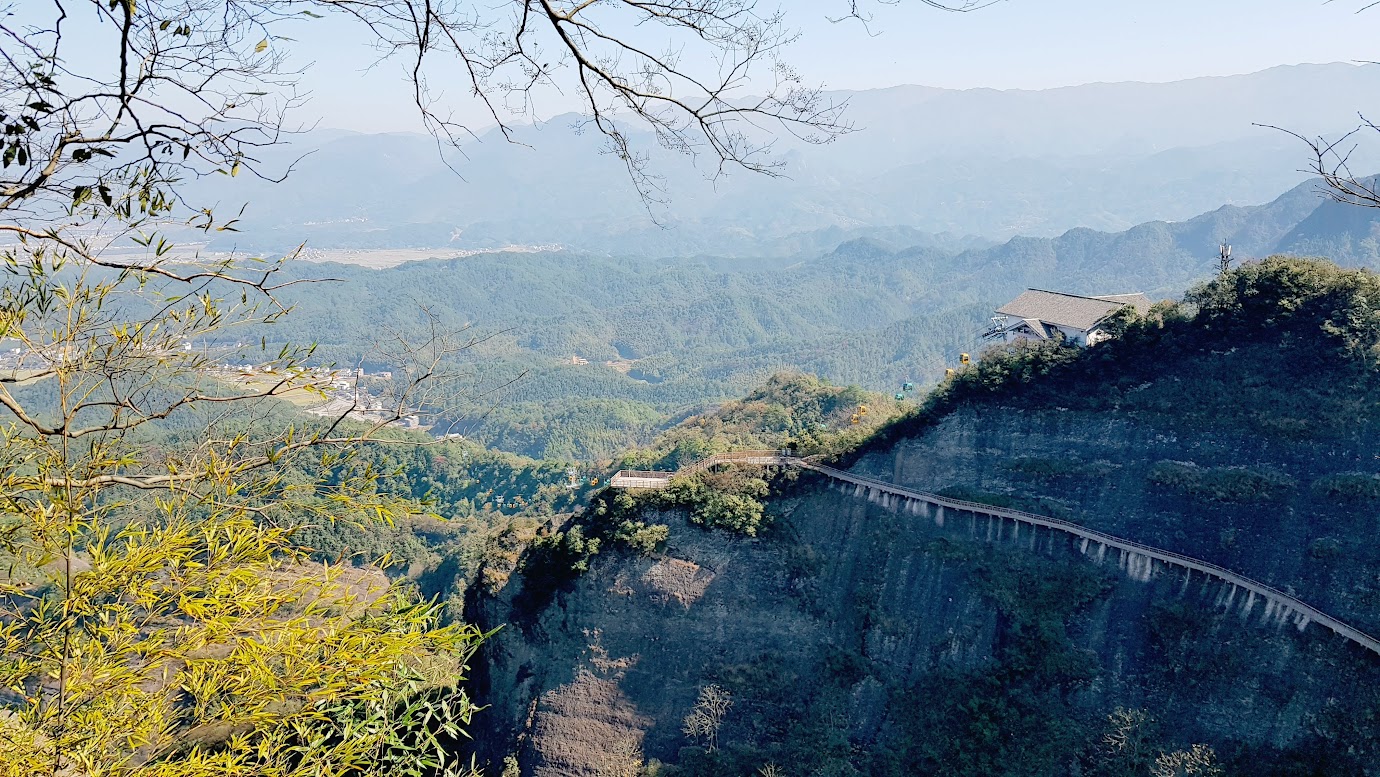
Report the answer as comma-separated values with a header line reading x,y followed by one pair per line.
x,y
1136,559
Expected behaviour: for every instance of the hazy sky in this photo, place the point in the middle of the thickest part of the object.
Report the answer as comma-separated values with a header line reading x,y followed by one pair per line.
x,y
1029,44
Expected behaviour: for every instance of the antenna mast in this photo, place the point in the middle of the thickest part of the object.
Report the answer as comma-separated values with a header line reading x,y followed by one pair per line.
x,y
1224,258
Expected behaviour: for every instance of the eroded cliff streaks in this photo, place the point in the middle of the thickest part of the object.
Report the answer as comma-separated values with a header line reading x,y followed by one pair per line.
x,y
1135,560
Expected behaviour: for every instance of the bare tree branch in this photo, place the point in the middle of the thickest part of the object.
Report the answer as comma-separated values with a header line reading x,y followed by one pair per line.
x,y
1330,160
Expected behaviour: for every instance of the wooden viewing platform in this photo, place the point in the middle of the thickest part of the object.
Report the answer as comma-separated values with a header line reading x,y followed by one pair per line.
x,y
1140,562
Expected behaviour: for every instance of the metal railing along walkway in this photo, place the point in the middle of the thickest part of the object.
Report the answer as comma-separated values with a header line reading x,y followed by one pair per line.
x,y
1136,559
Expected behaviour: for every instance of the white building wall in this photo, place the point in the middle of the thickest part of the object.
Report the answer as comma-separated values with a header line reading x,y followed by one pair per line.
x,y
1074,336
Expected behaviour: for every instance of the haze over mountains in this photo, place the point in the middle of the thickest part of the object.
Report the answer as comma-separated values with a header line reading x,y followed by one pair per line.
x,y
981,162
877,263
691,330
475,484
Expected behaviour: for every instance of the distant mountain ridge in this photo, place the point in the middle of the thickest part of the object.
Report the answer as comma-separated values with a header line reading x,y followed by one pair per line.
x,y
982,162
706,328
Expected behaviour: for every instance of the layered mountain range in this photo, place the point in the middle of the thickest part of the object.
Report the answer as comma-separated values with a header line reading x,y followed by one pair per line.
x,y
984,162
682,332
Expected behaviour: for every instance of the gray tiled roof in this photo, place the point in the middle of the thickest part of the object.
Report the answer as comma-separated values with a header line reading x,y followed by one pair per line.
x,y
1070,310
1036,327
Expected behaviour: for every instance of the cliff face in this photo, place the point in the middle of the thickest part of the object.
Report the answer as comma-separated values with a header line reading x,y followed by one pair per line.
x,y
856,640
1271,519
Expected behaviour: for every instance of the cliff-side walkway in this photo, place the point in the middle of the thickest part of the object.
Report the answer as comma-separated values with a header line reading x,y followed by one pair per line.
x,y
1140,562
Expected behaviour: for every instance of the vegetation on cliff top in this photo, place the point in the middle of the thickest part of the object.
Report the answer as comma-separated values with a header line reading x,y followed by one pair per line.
x,y
790,410
1286,347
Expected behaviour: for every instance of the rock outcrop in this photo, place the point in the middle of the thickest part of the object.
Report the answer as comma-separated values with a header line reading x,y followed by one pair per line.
x,y
845,627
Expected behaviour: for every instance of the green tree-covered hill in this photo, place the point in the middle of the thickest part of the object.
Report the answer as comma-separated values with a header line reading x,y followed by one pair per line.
x,y
1238,426
666,338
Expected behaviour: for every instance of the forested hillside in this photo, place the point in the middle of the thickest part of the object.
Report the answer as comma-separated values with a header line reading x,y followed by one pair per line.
x,y
854,637
475,510
323,449
682,334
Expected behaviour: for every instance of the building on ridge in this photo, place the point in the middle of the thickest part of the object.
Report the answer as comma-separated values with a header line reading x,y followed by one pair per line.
x,y
1046,315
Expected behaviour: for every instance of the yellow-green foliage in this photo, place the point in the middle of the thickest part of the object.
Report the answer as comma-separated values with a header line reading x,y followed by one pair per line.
x,y
158,616
208,646
195,639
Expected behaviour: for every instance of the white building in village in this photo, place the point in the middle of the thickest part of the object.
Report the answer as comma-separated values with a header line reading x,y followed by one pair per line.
x,y
1043,315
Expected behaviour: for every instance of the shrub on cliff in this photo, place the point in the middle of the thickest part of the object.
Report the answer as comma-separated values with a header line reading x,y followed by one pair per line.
x,y
1221,484
728,500
568,550
733,512
1007,367
1348,487
1044,468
